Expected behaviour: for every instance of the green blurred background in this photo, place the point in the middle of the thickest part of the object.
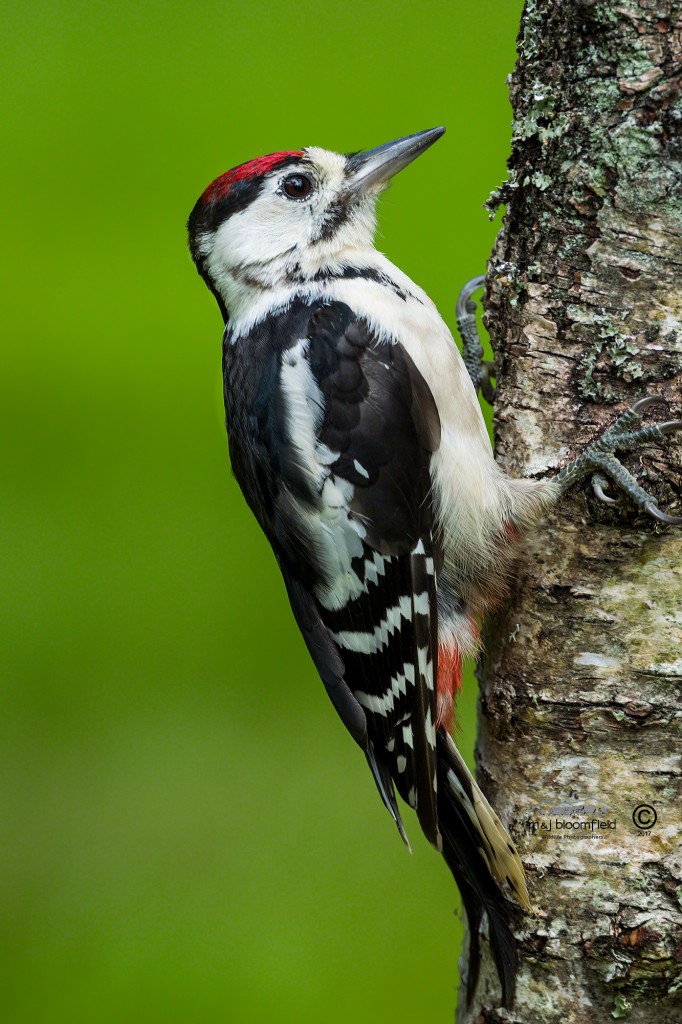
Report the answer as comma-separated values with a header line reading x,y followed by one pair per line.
x,y
188,834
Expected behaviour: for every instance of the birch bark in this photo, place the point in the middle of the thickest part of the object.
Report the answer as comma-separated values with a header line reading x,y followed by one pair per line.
x,y
581,681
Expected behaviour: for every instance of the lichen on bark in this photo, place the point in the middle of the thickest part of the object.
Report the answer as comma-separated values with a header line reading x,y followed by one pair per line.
x,y
582,675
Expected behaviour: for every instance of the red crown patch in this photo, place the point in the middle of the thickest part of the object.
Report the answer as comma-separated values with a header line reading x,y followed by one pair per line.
x,y
251,169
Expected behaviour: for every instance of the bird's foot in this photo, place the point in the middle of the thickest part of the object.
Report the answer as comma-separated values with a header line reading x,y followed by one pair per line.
x,y
479,369
599,459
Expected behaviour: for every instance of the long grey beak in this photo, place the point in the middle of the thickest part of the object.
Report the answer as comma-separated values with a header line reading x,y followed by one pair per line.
x,y
377,166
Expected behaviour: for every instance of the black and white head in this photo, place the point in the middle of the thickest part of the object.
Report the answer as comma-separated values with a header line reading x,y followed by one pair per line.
x,y
289,217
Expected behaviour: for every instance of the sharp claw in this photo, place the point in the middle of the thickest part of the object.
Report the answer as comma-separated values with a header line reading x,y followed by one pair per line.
x,y
670,426
646,403
464,303
598,488
662,517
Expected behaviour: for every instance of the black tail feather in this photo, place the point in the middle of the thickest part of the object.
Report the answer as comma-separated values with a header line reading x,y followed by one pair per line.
x,y
384,783
474,914
481,893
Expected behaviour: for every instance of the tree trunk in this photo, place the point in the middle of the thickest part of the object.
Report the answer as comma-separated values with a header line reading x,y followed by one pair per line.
x,y
580,683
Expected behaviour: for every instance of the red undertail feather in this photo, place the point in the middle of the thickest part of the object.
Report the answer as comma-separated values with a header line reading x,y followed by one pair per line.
x,y
449,683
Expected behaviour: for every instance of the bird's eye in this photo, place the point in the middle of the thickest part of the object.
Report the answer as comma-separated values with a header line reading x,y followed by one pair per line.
x,y
297,186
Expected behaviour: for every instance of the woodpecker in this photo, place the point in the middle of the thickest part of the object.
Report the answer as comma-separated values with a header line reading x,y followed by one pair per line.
x,y
357,439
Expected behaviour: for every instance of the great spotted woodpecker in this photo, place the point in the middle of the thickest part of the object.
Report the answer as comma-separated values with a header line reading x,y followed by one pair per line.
x,y
356,436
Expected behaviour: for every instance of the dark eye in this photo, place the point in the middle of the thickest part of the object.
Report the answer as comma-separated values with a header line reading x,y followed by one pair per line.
x,y
297,186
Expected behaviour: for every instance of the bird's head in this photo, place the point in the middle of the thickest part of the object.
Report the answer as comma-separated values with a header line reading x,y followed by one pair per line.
x,y
290,216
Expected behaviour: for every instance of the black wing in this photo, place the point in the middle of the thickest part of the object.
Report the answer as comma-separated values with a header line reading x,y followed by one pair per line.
x,y
331,434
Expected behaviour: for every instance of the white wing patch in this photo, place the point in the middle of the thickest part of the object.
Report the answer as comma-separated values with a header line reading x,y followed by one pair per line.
x,y
336,537
304,410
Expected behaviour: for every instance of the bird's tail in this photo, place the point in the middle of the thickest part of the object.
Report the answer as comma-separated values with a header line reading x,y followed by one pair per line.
x,y
482,857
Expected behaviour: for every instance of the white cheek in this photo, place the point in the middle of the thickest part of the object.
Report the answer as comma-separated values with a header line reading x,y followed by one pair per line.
x,y
269,228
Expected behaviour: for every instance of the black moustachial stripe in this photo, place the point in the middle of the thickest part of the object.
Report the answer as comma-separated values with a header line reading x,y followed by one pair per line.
x,y
335,217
